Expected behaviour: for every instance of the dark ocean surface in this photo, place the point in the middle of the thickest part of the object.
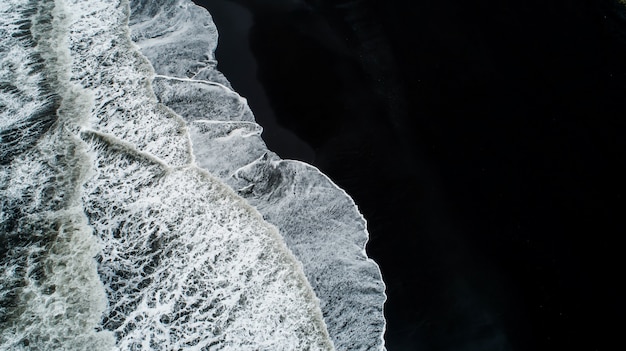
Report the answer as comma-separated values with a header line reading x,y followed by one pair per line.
x,y
483,141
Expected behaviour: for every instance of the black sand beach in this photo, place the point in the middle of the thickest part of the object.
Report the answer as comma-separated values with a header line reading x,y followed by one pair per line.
x,y
483,141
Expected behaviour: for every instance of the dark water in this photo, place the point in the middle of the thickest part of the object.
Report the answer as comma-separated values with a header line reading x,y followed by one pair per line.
x,y
483,140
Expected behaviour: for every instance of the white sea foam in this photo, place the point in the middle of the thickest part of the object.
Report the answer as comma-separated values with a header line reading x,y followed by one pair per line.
x,y
182,261
25,100
186,263
107,64
164,27
319,222
51,297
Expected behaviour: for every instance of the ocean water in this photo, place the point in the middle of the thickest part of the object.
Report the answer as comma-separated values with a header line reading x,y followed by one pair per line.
x,y
141,209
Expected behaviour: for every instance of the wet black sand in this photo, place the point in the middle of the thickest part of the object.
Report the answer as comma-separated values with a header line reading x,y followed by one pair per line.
x,y
483,140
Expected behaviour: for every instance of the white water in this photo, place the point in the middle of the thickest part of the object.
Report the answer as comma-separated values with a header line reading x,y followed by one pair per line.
x,y
113,238
51,297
